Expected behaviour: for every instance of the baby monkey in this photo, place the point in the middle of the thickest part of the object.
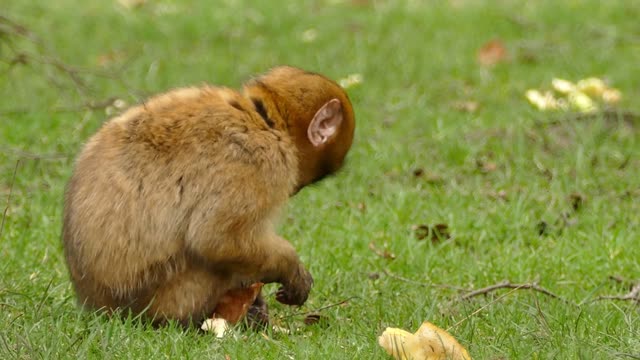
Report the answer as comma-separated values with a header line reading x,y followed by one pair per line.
x,y
171,206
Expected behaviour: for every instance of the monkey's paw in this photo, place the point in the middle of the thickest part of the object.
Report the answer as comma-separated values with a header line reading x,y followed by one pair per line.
x,y
296,291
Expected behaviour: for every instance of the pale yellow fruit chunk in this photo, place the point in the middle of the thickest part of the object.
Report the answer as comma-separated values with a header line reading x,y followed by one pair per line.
x,y
428,343
591,86
542,101
582,102
611,96
217,326
563,86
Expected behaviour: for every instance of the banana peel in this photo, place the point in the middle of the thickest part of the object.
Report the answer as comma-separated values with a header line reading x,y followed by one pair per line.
x,y
428,343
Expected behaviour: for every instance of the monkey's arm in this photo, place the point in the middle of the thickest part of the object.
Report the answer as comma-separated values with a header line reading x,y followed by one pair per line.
x,y
265,257
231,224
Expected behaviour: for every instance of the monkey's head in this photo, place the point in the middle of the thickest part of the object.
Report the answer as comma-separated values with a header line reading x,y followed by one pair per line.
x,y
314,110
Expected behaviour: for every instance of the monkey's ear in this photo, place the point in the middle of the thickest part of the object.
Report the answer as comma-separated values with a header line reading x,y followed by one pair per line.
x,y
325,123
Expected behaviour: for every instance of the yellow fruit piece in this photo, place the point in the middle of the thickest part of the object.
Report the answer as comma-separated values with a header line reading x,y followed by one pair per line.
x,y
218,326
582,102
563,86
611,96
428,343
591,86
542,101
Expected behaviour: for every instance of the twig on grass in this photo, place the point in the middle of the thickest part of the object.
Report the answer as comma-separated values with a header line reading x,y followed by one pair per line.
x,y
13,180
508,285
52,65
321,308
480,309
631,356
27,155
632,295
87,106
505,285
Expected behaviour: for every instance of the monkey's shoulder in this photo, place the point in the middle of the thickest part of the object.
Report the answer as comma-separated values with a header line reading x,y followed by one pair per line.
x,y
193,127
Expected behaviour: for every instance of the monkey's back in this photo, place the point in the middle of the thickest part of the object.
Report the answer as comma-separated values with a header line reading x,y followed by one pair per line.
x,y
164,177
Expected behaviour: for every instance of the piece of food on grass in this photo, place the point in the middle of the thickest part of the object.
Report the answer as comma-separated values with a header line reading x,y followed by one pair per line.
x,y
592,86
428,343
217,326
563,86
582,102
542,101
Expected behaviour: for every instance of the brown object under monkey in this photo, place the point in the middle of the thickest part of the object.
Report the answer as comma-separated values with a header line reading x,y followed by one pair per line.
x,y
234,305
172,204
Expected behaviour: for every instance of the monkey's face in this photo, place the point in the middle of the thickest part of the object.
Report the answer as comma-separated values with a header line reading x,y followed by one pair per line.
x,y
316,112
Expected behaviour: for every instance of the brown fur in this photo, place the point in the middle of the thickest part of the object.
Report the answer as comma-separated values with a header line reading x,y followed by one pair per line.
x,y
172,204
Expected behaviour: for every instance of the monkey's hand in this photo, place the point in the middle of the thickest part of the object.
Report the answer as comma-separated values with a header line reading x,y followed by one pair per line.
x,y
296,290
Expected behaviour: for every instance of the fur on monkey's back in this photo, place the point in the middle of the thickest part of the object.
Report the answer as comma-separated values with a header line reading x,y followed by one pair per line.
x,y
153,180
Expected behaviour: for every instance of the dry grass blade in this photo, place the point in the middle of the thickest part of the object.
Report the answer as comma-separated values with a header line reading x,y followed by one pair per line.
x,y
6,209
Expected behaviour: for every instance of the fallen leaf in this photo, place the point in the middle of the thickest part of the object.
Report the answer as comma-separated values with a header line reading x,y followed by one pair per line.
x,y
418,172
313,319
434,233
542,228
486,166
374,276
110,58
492,53
501,194
466,106
576,200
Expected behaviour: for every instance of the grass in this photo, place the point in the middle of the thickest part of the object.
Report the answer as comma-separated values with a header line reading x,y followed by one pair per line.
x,y
492,175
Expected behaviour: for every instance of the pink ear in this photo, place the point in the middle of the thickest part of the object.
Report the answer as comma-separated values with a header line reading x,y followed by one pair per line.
x,y
325,123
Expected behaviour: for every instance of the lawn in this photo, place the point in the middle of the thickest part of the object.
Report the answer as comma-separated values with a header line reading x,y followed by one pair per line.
x,y
546,199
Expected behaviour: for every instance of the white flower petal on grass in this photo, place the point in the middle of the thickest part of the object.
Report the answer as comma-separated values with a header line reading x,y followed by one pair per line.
x,y
119,104
309,35
351,80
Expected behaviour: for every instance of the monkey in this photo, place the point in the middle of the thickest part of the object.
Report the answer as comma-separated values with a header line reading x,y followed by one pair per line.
x,y
172,205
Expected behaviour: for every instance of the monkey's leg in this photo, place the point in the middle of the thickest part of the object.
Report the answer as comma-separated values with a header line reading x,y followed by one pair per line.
x,y
189,296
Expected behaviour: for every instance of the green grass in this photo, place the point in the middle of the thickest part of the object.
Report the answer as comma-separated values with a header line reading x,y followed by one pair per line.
x,y
417,59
